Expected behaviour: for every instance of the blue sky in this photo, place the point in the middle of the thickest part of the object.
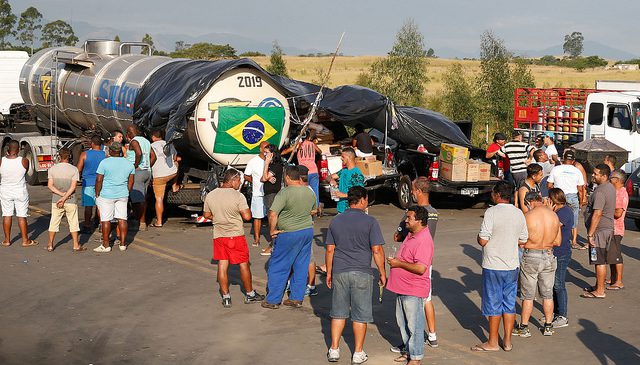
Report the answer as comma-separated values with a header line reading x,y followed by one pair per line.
x,y
370,25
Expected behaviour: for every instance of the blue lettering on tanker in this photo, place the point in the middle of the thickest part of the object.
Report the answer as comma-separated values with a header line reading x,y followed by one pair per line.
x,y
117,97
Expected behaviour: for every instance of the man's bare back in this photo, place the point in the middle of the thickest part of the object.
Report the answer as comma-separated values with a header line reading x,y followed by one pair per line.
x,y
544,228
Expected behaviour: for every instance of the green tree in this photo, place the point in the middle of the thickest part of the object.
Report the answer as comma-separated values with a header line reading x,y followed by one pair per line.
x,y
180,46
459,101
7,21
494,83
431,53
277,65
573,44
402,75
117,38
29,22
148,40
521,75
206,51
58,33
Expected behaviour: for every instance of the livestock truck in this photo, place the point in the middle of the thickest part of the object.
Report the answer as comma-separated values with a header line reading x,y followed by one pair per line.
x,y
78,92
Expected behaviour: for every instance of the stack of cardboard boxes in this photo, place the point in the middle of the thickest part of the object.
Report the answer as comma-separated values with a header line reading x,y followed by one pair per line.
x,y
369,166
455,165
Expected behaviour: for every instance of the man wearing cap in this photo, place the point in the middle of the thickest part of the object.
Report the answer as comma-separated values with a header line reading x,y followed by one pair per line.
x,y
114,180
520,155
551,149
499,140
570,180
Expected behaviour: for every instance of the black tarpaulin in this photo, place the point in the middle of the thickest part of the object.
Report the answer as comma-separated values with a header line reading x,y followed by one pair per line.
x,y
171,94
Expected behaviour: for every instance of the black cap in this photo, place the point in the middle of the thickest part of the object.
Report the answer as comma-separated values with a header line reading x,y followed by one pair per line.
x,y
499,137
516,134
569,155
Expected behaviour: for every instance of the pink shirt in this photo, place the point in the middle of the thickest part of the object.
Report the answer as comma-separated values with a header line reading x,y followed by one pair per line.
x,y
416,248
622,201
307,156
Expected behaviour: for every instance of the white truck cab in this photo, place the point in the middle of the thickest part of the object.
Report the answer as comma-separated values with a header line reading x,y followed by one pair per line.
x,y
616,117
11,63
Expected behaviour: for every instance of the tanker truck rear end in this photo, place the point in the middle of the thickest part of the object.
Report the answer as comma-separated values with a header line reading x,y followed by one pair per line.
x,y
77,92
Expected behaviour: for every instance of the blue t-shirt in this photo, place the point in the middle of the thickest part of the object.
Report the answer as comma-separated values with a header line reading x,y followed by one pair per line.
x,y
353,233
116,171
347,180
91,163
565,215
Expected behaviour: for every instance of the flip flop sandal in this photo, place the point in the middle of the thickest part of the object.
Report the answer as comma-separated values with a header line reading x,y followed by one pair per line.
x,y
507,349
155,225
255,244
81,249
590,295
589,288
614,287
31,243
401,358
6,244
479,348
49,249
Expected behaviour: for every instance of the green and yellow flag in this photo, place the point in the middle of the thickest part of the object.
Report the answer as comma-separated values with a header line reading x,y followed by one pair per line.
x,y
241,129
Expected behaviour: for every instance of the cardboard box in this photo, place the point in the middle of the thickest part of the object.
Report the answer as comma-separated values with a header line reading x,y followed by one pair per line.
x,y
368,158
370,168
473,171
454,172
484,172
451,153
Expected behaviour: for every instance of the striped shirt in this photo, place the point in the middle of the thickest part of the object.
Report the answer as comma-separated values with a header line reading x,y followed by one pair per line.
x,y
518,153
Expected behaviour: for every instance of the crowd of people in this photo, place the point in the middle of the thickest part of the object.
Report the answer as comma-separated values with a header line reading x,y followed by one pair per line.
x,y
113,174
541,197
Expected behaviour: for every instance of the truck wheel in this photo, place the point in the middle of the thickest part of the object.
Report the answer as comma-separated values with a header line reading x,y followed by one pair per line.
x,y
32,175
404,192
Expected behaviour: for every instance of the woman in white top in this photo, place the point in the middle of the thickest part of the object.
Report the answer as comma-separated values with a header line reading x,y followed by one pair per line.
x,y
164,169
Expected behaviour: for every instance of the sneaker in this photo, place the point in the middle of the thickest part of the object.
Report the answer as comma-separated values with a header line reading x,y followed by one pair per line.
x,y
560,322
522,331
293,303
268,305
102,249
333,355
226,302
432,343
397,349
266,251
122,247
359,357
256,298
309,292
547,330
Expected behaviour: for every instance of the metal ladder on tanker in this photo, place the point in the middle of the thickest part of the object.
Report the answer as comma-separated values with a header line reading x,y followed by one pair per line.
x,y
53,110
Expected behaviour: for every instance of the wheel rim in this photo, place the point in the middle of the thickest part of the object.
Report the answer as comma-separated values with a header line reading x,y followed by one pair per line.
x,y
404,193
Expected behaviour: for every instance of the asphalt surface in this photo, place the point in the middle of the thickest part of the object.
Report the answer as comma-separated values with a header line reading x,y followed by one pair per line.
x,y
158,303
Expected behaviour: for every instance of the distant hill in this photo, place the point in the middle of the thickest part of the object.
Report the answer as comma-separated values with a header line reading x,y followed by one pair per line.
x,y
591,48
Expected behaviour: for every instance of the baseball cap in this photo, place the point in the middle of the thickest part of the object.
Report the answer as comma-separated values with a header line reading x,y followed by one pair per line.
x,y
115,146
499,137
548,134
569,155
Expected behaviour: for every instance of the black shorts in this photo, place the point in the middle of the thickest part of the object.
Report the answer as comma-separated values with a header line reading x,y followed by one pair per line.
x,y
614,254
603,241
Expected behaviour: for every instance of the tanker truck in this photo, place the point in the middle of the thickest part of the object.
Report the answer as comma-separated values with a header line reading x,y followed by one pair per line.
x,y
215,113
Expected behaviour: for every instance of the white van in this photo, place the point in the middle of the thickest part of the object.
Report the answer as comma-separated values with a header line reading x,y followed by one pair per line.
x,y
11,63
616,117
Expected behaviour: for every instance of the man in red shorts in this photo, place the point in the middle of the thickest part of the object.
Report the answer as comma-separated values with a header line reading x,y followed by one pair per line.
x,y
227,208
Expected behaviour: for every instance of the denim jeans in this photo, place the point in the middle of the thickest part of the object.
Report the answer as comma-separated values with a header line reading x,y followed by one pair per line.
x,y
574,203
314,182
411,320
559,289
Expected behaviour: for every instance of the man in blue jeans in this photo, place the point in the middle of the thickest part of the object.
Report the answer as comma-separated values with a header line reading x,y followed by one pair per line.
x,y
409,278
353,238
563,257
292,228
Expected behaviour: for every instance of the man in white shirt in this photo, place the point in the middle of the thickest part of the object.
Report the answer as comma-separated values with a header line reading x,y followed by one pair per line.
x,y
551,150
571,181
253,173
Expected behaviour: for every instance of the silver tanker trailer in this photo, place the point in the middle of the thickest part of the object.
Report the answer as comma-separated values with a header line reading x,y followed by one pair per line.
x,y
76,92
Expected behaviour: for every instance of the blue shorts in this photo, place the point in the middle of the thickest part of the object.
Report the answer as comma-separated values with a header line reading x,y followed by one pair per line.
x,y
499,289
88,196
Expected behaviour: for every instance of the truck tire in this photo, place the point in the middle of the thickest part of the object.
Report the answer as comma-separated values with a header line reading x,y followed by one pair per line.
x,y
404,192
184,197
32,175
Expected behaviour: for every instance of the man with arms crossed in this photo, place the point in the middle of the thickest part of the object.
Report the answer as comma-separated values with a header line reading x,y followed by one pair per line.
x,y
618,178
353,238
599,217
570,180
409,278
227,208
538,266
500,263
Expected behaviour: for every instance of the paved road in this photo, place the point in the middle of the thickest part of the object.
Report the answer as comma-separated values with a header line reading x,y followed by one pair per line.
x,y
157,303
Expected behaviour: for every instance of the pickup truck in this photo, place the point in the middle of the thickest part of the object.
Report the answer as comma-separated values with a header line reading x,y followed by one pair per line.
x,y
401,166
633,189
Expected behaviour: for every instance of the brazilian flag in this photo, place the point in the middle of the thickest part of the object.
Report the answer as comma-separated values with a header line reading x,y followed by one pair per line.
x,y
241,129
